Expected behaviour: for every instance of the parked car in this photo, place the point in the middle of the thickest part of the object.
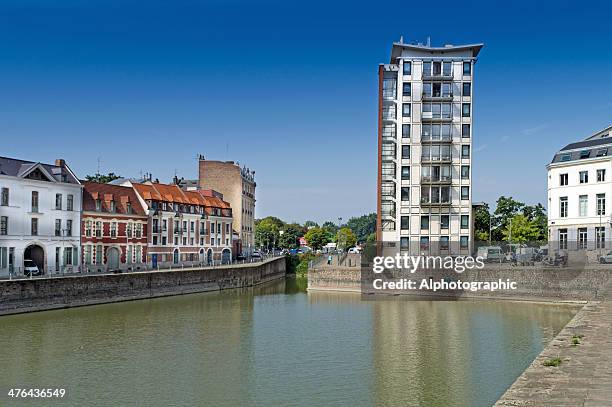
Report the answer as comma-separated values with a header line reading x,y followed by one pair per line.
x,y
240,257
256,255
606,258
31,269
490,254
354,250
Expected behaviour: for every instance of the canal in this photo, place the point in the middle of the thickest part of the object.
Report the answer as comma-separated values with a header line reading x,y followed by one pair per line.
x,y
276,345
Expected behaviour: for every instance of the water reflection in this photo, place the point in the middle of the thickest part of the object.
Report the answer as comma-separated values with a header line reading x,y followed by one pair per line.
x,y
277,345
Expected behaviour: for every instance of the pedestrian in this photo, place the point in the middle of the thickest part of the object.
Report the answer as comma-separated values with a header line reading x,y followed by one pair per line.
x,y
329,259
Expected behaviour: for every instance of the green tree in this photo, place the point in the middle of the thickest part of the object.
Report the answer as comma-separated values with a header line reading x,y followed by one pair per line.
x,y
507,208
330,227
346,238
481,222
101,178
537,214
310,224
291,233
523,230
266,233
362,226
317,238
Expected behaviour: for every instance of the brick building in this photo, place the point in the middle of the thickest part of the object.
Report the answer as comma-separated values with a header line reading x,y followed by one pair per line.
x,y
185,227
238,188
113,229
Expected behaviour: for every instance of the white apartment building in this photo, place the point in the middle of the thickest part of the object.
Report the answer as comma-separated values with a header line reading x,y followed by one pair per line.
x,y
425,148
40,216
579,194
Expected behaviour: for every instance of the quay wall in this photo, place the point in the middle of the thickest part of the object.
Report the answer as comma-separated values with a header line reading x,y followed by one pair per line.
x,y
27,295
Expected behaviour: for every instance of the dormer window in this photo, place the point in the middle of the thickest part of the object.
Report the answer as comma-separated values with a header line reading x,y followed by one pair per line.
x,y
585,154
565,157
112,206
602,152
128,207
98,205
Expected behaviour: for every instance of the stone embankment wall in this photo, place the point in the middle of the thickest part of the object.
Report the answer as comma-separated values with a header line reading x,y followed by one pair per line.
x,y
26,295
533,283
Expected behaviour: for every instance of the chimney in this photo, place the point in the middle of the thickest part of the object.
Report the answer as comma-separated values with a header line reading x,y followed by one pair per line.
x,y
60,162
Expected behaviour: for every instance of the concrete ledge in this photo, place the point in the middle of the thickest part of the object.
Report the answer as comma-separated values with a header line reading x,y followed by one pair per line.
x,y
18,296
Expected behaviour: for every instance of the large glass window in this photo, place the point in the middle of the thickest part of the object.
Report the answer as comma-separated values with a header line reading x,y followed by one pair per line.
x,y
465,221
389,88
405,194
465,172
424,222
563,206
467,68
405,172
406,89
465,193
465,151
404,223
406,109
465,130
601,204
407,68
405,130
467,89
405,152
583,202
562,239
465,110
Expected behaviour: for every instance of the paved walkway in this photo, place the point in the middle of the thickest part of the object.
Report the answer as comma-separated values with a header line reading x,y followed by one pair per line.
x,y
584,377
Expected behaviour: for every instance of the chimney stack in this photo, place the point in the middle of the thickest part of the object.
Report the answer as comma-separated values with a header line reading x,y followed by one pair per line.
x,y
60,162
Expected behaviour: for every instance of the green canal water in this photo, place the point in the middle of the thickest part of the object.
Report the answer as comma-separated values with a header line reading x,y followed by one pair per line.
x,y
276,345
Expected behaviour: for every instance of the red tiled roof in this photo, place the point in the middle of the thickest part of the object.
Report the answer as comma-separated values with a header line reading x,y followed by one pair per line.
x,y
174,194
107,192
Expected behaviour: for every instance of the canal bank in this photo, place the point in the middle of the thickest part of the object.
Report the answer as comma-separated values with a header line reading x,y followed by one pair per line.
x,y
18,296
582,353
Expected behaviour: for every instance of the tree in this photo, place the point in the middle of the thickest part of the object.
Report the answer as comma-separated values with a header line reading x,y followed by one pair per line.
x,y
506,209
330,227
310,223
317,238
266,233
291,233
481,222
537,214
523,230
346,238
272,219
362,226
102,179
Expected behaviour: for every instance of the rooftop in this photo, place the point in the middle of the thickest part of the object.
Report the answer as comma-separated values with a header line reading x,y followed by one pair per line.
x,y
398,47
595,146
58,172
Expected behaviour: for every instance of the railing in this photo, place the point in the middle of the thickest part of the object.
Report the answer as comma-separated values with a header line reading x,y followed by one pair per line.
x,y
432,138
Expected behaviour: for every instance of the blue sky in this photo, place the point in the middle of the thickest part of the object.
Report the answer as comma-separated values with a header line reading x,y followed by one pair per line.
x,y
289,88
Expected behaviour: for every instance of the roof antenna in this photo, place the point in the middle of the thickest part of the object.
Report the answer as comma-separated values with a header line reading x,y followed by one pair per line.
x,y
428,41
401,39
98,165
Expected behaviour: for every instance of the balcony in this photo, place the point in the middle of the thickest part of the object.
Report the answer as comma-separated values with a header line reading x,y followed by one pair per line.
x,y
428,138
178,231
444,179
388,177
389,94
438,159
426,202
438,75
437,97
388,157
437,117
389,138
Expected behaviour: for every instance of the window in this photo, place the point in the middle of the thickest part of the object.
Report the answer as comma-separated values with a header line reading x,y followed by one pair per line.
x,y
444,221
58,202
4,201
467,89
465,130
192,226
406,89
424,222
565,157
405,172
87,254
69,227
4,225
602,152
601,204
405,152
467,68
98,205
562,239
388,150
407,68
389,88
58,227
600,237
389,114
465,172
138,230
70,202
98,229
34,227
465,110
34,201
99,254
563,179
405,223
584,177
426,68
128,208
444,242
583,202
465,151
601,175
405,192
405,130
465,221
68,256
446,68
404,243
406,109
113,229
465,193
582,238
128,229
113,207
463,242
563,207
424,243
585,154
88,228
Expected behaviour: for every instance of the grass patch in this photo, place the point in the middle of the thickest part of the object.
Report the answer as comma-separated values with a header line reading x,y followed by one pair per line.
x,y
554,362
576,339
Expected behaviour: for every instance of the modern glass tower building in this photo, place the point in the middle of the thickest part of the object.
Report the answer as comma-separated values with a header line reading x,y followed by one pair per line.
x,y
425,117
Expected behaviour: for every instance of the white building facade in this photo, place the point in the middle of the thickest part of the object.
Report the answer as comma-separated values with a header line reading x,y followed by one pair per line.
x,y
425,148
579,194
40,207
